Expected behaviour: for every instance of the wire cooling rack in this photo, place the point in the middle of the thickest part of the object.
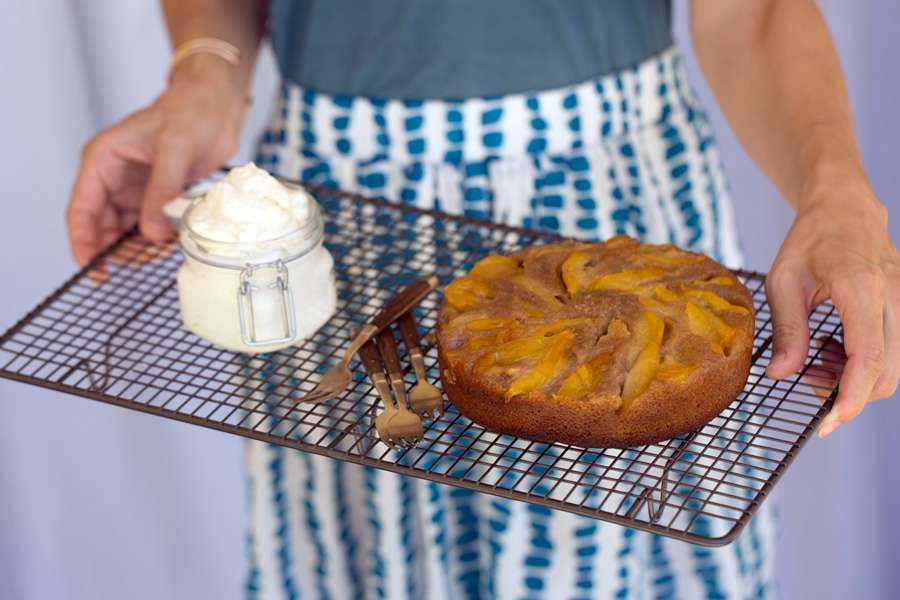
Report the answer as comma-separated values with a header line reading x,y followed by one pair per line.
x,y
123,342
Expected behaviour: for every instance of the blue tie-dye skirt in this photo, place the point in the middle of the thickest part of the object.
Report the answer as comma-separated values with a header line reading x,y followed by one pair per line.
x,y
629,153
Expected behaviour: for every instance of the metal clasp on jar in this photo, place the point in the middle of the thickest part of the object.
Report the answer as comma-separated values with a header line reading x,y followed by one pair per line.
x,y
248,318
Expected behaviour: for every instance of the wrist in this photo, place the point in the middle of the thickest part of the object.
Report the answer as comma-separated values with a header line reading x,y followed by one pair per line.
x,y
211,71
835,182
840,193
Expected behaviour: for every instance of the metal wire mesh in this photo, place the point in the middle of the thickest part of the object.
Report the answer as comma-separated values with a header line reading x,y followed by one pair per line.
x,y
123,342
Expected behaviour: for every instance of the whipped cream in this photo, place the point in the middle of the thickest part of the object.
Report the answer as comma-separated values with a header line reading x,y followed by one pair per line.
x,y
255,267
249,206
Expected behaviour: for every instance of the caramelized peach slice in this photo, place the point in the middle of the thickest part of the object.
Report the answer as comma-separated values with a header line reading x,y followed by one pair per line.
x,y
547,367
489,324
641,374
668,256
463,319
672,370
665,294
467,292
718,280
531,310
537,289
534,345
618,240
643,360
522,348
554,249
648,329
474,343
586,377
650,302
704,323
626,281
714,301
494,266
573,271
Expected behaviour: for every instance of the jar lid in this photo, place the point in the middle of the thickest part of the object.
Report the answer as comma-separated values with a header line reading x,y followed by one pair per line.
x,y
286,247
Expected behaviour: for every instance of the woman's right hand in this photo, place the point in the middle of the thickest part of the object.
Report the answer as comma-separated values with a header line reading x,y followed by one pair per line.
x,y
132,169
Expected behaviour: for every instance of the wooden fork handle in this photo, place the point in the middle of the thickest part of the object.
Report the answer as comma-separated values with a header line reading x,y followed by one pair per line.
x,y
371,359
389,352
407,299
391,357
408,331
410,334
404,301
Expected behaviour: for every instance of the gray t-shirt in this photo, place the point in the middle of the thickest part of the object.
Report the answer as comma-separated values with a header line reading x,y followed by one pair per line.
x,y
461,48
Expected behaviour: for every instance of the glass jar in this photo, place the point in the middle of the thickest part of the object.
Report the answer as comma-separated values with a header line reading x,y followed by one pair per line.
x,y
256,297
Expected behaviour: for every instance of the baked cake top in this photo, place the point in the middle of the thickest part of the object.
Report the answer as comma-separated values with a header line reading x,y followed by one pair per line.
x,y
591,320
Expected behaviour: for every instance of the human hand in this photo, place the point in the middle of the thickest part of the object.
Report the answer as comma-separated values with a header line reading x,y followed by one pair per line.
x,y
132,169
839,248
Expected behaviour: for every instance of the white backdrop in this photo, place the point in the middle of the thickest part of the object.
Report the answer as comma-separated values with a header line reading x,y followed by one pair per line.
x,y
97,502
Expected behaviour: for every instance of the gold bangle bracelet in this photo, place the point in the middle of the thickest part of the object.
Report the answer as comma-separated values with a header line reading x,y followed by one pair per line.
x,y
205,45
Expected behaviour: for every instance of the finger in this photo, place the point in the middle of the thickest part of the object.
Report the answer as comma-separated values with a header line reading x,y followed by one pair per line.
x,y
823,375
109,230
89,196
790,323
886,384
171,163
861,307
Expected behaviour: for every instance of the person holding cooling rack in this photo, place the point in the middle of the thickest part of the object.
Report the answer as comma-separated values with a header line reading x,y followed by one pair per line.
x,y
573,116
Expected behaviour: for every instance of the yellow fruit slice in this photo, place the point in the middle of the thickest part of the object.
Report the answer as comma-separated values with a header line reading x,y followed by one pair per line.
x,y
719,280
474,343
714,301
704,323
531,310
516,350
618,239
626,280
547,367
561,325
484,362
641,374
467,292
650,302
586,377
672,370
545,295
648,329
573,271
494,266
463,319
489,324
665,294
643,356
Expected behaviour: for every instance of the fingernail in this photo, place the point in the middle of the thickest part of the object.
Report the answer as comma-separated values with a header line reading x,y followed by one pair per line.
x,y
828,426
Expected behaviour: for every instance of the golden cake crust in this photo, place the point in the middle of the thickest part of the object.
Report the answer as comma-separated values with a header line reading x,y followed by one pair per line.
x,y
699,362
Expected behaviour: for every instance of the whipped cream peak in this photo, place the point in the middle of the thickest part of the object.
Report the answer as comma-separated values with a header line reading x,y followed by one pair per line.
x,y
248,206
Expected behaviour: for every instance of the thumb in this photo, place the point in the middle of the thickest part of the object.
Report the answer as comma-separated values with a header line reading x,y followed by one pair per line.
x,y
168,175
790,322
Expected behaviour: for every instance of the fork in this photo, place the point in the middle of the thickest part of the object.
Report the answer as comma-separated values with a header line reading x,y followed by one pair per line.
x,y
336,379
405,427
371,360
424,398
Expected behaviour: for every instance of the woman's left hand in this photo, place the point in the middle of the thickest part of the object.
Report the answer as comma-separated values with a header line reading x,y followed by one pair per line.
x,y
839,248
